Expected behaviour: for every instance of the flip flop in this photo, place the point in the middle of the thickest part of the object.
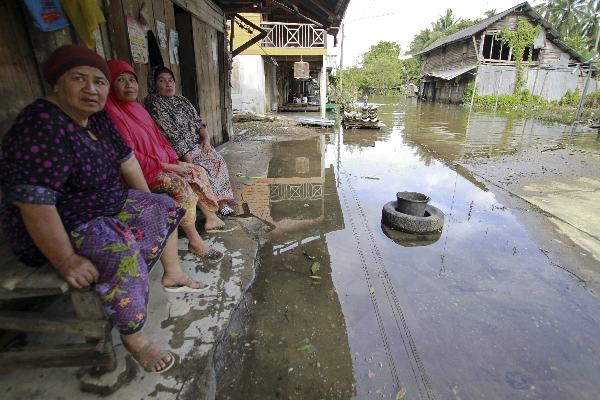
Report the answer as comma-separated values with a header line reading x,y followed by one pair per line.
x,y
186,288
226,211
222,229
138,356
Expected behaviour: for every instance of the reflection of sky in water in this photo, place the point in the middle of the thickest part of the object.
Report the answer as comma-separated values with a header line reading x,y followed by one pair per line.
x,y
486,315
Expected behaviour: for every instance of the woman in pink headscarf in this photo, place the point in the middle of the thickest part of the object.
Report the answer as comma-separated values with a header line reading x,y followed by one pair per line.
x,y
187,184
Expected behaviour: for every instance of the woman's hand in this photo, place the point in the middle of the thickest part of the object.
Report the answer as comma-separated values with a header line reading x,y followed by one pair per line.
x,y
78,271
180,169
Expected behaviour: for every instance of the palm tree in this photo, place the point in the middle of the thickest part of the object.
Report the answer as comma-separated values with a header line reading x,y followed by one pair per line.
x,y
589,15
490,13
445,21
564,14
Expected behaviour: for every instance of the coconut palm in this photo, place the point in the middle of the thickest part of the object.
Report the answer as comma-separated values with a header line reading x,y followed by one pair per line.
x,y
445,21
590,21
564,14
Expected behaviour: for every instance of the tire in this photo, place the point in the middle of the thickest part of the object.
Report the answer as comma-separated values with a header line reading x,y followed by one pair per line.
x,y
410,223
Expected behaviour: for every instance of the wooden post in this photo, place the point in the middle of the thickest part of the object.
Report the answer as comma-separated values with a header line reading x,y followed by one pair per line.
x,y
87,305
323,87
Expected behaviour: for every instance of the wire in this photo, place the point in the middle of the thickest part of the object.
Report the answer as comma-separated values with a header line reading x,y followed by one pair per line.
x,y
373,16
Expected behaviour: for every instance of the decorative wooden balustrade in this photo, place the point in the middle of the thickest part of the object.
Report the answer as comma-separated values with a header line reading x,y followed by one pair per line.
x,y
285,35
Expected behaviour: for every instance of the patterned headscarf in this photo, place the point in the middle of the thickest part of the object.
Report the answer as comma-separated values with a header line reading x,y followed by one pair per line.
x,y
175,115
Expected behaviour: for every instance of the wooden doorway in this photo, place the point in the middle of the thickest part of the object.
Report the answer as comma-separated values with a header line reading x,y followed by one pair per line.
x,y
187,58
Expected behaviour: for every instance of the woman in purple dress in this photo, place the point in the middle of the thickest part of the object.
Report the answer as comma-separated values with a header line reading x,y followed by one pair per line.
x,y
63,201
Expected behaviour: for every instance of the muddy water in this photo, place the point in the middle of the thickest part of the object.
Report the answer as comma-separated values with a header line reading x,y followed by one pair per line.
x,y
476,312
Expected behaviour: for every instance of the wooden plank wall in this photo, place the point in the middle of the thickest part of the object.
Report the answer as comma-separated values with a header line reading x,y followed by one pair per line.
x,y
208,68
455,55
21,81
118,11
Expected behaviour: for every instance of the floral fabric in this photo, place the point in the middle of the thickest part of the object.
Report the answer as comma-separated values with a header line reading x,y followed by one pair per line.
x,y
124,248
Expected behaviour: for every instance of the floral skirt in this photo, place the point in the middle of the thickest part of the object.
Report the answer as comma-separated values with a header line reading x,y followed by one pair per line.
x,y
218,174
124,248
187,191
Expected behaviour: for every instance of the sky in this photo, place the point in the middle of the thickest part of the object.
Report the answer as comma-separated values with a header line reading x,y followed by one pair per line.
x,y
367,22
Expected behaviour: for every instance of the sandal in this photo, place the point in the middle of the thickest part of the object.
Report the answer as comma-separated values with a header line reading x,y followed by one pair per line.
x,y
138,356
222,229
226,210
185,288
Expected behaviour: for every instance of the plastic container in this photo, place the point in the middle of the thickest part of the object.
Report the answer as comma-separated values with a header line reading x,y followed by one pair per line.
x,y
412,203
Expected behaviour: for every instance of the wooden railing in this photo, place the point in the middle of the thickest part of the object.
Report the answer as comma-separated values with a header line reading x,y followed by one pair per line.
x,y
292,35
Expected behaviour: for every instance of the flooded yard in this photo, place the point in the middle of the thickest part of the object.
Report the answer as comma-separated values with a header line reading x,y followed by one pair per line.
x,y
342,309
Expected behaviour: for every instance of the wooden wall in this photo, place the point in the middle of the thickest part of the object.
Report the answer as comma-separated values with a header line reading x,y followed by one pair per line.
x,y
455,55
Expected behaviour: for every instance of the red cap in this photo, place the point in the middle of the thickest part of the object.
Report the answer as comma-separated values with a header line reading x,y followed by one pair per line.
x,y
70,56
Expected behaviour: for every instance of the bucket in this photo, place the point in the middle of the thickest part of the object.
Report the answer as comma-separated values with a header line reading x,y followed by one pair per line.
x,y
412,203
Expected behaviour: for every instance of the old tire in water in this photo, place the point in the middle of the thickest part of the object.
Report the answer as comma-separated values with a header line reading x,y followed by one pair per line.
x,y
433,220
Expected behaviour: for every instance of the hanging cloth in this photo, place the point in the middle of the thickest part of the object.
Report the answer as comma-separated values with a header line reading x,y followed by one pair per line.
x,y
47,15
86,16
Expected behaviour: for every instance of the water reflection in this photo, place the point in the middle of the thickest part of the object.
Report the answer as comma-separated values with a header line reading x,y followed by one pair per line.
x,y
297,340
477,313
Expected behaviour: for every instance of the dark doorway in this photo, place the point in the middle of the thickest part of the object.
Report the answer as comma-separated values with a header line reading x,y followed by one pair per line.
x,y
187,58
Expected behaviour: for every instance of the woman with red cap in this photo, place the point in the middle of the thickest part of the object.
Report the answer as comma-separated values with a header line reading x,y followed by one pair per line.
x,y
186,183
63,201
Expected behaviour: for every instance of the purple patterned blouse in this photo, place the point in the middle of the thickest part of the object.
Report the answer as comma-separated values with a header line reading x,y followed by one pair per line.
x,y
48,159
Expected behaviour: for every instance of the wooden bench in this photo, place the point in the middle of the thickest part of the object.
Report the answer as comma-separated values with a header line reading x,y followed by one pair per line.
x,y
19,282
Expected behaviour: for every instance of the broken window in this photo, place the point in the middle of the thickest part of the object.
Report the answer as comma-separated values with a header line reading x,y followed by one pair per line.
x,y
495,49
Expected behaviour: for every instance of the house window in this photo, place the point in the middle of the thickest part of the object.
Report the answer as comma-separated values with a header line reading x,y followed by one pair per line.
x,y
495,49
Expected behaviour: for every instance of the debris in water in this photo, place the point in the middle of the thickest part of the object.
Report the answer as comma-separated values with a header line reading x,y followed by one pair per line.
x,y
371,374
303,348
315,267
371,290
248,177
401,394
370,177
317,278
308,256
232,335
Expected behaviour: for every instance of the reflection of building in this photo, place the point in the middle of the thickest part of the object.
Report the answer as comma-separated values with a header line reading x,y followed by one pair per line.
x,y
295,326
298,191
450,63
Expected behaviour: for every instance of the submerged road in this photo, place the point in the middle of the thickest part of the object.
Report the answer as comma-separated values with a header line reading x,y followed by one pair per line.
x,y
481,311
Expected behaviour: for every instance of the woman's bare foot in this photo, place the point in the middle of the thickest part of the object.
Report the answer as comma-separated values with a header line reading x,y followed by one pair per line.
x,y
198,247
180,279
213,222
136,342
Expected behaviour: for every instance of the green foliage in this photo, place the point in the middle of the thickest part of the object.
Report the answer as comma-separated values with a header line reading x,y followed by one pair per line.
x,y
519,40
592,100
571,98
468,92
521,100
381,72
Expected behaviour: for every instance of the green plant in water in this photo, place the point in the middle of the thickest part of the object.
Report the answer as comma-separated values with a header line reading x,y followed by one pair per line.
x,y
519,40
571,98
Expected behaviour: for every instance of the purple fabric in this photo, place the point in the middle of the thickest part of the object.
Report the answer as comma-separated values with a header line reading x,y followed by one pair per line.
x,y
48,159
124,248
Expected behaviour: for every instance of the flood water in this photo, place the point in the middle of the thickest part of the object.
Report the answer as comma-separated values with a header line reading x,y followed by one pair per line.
x,y
477,312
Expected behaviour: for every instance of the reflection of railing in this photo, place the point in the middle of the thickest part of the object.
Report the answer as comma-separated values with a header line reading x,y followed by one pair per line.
x,y
292,35
300,191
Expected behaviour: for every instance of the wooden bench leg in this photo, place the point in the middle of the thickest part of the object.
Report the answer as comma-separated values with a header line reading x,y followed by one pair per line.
x,y
87,305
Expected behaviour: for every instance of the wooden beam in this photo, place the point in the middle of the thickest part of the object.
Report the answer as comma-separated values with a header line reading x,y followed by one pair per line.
x,y
206,11
323,8
74,355
38,322
250,42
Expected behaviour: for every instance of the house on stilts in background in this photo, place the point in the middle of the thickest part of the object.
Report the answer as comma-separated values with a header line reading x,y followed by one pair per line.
x,y
277,57
476,54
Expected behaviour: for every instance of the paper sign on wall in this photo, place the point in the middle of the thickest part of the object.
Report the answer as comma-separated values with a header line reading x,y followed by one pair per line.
x,y
137,40
161,31
173,44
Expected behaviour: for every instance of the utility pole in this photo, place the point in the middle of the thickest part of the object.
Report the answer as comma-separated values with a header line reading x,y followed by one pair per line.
x,y
587,80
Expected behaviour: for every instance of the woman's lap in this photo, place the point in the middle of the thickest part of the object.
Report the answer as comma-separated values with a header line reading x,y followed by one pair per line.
x,y
124,248
218,174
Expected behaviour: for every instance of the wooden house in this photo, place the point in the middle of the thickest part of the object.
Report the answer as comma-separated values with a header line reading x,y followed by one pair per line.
x,y
202,68
476,54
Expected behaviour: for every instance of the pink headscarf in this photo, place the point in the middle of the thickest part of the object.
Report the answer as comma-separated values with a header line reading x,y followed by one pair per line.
x,y
138,128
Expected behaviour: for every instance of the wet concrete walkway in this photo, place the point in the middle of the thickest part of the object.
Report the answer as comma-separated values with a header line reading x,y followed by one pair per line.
x,y
480,312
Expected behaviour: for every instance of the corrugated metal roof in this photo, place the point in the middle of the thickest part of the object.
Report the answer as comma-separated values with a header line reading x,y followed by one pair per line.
x,y
483,24
451,73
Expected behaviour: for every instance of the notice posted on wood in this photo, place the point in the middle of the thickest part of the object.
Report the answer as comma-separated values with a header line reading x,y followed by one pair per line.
x,y
173,44
161,32
137,40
